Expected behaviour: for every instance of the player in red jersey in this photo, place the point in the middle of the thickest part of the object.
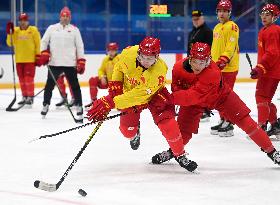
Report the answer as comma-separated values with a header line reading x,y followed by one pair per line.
x,y
267,70
197,83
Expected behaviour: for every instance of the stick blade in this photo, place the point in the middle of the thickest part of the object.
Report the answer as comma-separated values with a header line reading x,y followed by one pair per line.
x,y
45,186
11,109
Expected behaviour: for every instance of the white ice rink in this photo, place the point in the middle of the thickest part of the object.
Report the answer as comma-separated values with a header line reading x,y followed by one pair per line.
x,y
232,170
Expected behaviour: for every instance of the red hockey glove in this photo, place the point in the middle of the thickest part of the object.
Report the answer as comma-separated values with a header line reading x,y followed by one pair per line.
x,y
44,57
37,60
115,88
10,28
222,62
161,99
258,71
81,65
100,108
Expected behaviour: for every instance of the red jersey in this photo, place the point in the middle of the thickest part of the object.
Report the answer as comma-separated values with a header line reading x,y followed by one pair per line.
x,y
269,50
205,89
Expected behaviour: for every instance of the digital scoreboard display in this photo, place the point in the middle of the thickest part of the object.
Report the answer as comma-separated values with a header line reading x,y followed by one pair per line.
x,y
157,10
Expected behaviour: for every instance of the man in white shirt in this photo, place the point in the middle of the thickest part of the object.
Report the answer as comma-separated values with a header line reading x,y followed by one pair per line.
x,y
62,49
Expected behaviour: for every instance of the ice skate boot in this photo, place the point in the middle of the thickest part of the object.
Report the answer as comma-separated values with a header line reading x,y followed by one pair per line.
x,y
226,130
186,163
45,110
162,157
62,102
274,131
135,141
274,156
72,102
80,116
205,117
214,129
23,100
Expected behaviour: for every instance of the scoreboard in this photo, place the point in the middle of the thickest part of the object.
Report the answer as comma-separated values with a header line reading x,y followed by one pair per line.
x,y
159,10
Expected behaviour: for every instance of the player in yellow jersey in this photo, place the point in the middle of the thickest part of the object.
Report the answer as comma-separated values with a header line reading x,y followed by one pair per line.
x,y
225,52
26,42
137,82
104,72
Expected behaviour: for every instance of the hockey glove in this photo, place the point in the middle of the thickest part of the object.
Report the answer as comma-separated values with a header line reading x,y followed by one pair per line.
x,y
44,57
10,28
258,71
115,88
100,108
161,99
222,62
81,65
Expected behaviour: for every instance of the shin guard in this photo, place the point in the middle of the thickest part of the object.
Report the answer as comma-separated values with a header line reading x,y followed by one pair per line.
x,y
170,130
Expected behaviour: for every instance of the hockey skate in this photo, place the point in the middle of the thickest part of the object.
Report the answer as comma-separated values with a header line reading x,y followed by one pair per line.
x,y
226,130
186,163
45,110
274,131
79,113
135,141
23,101
214,129
274,156
29,102
62,102
72,102
162,157
205,117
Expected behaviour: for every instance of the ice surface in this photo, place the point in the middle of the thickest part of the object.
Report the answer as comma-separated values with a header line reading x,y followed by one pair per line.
x,y
232,170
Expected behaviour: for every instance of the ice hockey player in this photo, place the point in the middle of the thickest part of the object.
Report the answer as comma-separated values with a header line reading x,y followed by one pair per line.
x,y
267,71
104,72
225,52
138,78
25,40
65,55
197,83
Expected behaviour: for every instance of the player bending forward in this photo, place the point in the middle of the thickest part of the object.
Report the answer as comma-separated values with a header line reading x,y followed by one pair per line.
x,y
136,79
197,83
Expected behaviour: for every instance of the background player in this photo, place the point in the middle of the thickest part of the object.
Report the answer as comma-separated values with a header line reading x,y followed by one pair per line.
x,y
225,52
104,72
26,42
267,71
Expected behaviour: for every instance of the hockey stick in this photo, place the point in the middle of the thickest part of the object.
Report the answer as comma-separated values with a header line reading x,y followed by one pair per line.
x,y
9,108
64,98
249,60
75,128
53,187
1,73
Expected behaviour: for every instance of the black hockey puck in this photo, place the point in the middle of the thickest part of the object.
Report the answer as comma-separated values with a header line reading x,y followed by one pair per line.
x,y
82,192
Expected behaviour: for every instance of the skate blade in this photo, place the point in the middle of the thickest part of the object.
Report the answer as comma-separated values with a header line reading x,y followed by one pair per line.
x,y
214,132
226,134
195,171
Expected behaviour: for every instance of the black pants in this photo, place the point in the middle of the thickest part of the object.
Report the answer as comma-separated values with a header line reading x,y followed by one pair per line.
x,y
71,75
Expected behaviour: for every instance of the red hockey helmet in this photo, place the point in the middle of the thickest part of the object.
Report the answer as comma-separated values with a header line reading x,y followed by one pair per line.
x,y
149,46
224,4
271,8
200,51
112,46
23,17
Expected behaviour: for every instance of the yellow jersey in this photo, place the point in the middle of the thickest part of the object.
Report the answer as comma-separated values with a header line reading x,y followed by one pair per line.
x,y
106,68
225,43
26,44
139,84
